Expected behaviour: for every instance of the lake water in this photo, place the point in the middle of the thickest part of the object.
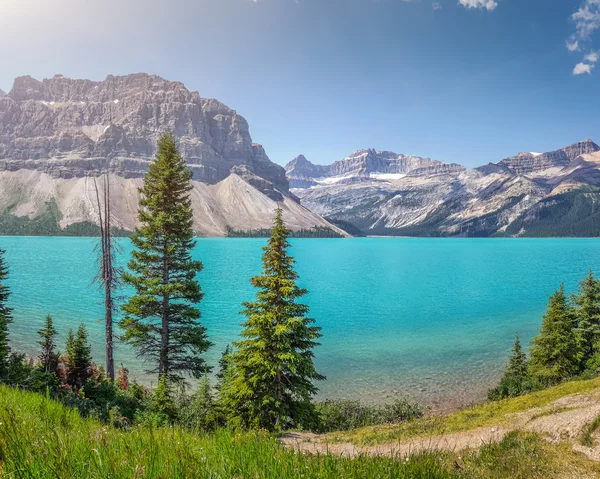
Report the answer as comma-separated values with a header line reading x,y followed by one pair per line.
x,y
432,319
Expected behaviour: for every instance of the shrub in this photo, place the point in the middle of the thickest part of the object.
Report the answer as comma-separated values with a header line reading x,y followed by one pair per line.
x,y
343,415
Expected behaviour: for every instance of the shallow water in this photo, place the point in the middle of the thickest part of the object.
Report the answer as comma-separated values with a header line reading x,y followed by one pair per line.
x,y
429,318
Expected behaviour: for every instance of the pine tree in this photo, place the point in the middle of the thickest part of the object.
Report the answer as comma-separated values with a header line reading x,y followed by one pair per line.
x,y
223,364
5,319
514,382
554,352
161,320
587,316
78,357
162,400
270,374
48,356
203,409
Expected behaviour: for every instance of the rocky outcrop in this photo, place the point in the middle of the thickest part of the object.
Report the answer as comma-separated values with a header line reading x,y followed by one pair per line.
x,y
2,93
526,193
438,169
526,163
60,131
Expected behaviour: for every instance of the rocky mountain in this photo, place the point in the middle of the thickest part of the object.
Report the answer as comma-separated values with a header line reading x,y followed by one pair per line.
x,y
531,194
58,134
2,93
527,163
361,165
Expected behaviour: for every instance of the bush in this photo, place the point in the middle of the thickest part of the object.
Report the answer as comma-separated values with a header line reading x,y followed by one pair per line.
x,y
341,415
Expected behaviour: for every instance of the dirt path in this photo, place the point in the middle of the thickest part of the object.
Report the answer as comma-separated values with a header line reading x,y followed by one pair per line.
x,y
564,419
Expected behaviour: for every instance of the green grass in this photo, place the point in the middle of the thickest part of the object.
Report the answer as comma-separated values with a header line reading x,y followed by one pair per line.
x,y
490,413
586,436
526,456
40,438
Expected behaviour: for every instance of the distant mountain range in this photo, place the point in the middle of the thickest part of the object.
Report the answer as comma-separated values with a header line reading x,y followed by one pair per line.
x,y
56,135
382,193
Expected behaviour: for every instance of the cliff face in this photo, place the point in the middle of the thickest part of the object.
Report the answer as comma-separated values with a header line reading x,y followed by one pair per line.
x,y
70,129
523,195
526,163
74,128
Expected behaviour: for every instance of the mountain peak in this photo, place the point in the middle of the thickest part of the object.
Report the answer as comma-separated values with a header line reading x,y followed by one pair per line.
x,y
299,160
2,93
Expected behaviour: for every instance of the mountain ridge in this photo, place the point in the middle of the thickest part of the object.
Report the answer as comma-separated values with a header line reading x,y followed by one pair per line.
x,y
443,199
59,131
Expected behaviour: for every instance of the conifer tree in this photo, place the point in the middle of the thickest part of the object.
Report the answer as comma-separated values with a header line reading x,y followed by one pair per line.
x,y
162,400
517,363
554,352
587,316
48,356
5,319
161,320
223,364
204,414
78,357
514,382
270,375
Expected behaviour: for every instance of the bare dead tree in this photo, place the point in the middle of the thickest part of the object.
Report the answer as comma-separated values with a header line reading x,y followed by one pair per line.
x,y
109,274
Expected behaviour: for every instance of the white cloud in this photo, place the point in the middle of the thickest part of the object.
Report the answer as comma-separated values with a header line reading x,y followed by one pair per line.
x,y
587,22
573,45
487,4
436,6
582,68
587,18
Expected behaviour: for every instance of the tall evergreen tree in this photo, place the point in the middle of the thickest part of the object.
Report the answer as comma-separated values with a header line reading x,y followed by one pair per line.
x,y
554,351
5,319
161,320
587,317
78,357
48,356
269,377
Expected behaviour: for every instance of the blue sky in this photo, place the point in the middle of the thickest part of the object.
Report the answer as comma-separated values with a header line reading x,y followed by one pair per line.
x,y
469,81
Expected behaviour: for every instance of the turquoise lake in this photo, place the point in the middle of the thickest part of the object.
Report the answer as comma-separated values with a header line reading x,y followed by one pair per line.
x,y
432,319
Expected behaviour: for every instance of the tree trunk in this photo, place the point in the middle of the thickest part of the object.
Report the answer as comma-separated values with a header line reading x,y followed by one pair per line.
x,y
163,368
108,285
106,272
